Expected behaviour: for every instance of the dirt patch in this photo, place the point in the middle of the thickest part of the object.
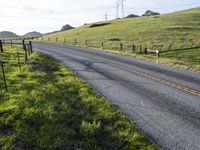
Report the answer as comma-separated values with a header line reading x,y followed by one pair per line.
x,y
99,25
115,39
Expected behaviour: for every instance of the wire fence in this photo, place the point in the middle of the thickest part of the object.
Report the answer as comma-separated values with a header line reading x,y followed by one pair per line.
x,y
151,48
20,57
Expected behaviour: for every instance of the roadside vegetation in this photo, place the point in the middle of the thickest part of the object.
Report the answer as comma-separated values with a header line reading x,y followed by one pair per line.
x,y
176,33
49,107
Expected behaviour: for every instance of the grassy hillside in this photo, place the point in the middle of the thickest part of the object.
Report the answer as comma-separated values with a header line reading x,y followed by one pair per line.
x,y
49,107
175,31
180,29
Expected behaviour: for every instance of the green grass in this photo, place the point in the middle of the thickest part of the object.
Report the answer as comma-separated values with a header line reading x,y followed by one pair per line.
x,y
181,29
49,107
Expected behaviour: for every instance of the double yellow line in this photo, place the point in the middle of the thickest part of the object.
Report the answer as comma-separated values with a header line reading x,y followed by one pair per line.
x,y
149,76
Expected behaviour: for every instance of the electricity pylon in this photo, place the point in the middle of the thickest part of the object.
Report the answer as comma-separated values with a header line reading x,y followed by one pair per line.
x,y
118,4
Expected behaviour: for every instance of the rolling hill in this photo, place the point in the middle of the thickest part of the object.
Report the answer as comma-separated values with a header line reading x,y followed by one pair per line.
x,y
8,34
32,34
181,29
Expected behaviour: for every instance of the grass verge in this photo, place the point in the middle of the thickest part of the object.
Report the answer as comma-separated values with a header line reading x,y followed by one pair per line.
x,y
49,107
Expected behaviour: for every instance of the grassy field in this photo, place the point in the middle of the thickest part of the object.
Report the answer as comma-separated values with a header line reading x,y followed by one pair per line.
x,y
175,31
49,107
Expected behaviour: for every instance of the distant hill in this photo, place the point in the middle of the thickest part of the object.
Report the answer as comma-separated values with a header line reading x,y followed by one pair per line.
x,y
66,27
32,34
150,13
8,34
132,16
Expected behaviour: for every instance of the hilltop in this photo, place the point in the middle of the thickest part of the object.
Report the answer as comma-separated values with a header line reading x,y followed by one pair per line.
x,y
8,34
32,34
66,27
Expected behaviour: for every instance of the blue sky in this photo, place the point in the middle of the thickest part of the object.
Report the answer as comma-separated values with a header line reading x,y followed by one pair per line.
x,y
21,16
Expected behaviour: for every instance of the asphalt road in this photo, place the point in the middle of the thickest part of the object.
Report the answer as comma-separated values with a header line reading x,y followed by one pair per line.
x,y
163,102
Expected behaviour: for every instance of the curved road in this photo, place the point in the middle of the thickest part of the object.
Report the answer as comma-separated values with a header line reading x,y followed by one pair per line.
x,y
162,101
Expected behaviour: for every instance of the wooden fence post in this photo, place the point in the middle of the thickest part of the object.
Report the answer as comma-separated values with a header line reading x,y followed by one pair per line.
x,y
140,49
4,77
102,45
31,48
11,42
133,48
65,41
75,41
145,50
86,42
49,39
121,46
1,46
158,54
56,39
25,52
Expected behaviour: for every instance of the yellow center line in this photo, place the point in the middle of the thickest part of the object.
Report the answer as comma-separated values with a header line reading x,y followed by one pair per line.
x,y
149,76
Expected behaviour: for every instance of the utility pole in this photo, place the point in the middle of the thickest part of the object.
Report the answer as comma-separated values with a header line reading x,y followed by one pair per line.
x,y
106,16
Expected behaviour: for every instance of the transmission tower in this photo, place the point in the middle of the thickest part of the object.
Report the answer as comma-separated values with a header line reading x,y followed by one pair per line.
x,y
117,8
106,16
118,4
122,4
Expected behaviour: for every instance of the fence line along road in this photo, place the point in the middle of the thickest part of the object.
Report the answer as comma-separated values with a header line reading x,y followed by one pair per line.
x,y
27,47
